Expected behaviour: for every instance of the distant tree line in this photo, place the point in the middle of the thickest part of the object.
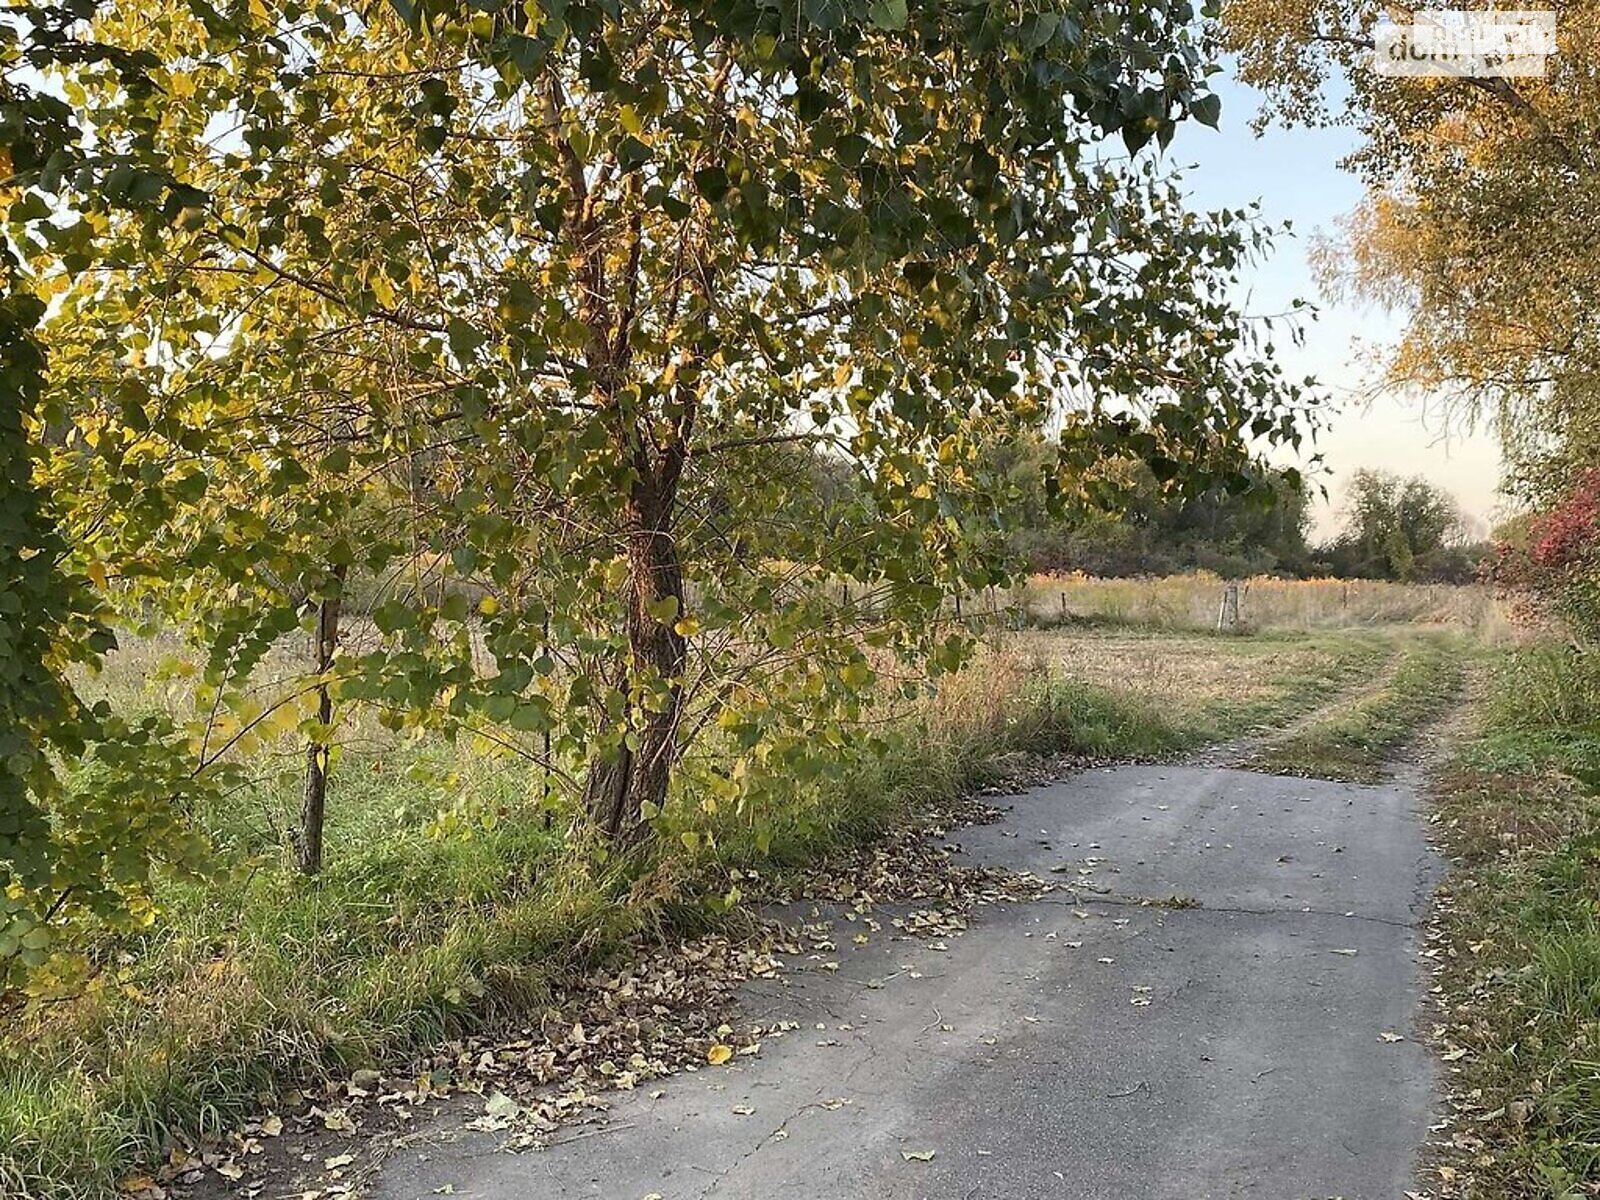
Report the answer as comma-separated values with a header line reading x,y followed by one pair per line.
x,y
1407,530
1402,529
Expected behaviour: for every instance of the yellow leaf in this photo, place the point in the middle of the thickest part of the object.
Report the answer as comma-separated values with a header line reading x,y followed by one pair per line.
x,y
719,1054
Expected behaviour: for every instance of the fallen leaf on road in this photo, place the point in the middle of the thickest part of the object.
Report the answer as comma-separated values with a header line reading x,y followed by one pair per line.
x,y
337,1161
742,1110
501,1105
917,1155
1348,953
337,1120
719,1054
1387,1036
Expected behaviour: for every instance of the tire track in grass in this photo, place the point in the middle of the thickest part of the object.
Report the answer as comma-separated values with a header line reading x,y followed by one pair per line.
x,y
1354,738
1242,752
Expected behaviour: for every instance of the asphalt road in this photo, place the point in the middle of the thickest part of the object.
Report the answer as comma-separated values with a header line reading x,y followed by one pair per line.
x,y
1258,1043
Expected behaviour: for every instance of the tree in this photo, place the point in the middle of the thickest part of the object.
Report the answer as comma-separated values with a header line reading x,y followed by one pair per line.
x,y
1480,197
519,317
1553,557
1152,532
77,845
1401,529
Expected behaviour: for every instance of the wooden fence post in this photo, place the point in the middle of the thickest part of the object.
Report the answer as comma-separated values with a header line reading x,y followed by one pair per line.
x,y
1228,614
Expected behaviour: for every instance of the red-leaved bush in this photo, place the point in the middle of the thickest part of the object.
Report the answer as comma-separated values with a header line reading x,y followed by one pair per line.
x,y
1560,562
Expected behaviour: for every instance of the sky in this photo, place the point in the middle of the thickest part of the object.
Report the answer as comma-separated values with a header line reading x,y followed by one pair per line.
x,y
1296,177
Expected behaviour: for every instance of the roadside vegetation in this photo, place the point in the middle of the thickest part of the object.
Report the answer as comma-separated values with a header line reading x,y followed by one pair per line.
x,y
1519,926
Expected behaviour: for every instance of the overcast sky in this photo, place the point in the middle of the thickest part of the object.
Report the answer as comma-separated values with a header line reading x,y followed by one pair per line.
x,y
1296,177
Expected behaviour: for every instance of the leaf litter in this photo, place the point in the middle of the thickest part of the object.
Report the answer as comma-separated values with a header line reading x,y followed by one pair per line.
x,y
662,1013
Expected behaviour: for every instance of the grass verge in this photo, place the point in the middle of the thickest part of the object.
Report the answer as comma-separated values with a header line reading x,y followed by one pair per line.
x,y
1519,923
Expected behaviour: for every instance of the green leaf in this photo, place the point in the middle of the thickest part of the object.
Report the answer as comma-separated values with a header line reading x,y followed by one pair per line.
x,y
888,14
826,15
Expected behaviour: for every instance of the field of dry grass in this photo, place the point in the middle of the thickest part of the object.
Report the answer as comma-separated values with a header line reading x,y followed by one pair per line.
x,y
1223,684
1192,601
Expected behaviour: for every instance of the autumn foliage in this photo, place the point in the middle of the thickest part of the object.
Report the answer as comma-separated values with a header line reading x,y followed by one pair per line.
x,y
1556,560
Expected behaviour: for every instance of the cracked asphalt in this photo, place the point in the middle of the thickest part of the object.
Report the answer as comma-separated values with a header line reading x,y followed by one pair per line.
x,y
1253,1035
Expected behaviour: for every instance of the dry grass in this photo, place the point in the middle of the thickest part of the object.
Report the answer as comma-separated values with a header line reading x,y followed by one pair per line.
x,y
1222,684
1192,601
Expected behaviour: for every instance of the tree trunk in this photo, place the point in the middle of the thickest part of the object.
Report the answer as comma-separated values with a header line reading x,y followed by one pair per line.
x,y
313,806
619,785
